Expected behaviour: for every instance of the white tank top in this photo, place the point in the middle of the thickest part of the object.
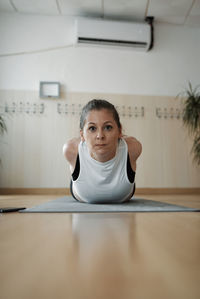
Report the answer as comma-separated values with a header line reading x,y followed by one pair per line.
x,y
103,181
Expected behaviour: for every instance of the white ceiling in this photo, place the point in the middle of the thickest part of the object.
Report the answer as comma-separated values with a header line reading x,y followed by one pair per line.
x,y
180,12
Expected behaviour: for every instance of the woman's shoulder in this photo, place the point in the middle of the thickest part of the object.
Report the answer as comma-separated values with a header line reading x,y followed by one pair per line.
x,y
70,149
134,146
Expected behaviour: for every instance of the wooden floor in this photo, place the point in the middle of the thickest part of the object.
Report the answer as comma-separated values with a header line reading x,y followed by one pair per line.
x,y
94,256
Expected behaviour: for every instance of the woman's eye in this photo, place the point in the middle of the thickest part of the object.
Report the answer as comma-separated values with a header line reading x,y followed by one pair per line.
x,y
108,127
92,128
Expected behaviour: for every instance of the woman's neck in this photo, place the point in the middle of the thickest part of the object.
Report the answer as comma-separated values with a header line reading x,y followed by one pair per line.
x,y
104,157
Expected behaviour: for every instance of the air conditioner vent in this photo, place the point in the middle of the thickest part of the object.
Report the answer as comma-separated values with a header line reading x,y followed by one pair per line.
x,y
111,42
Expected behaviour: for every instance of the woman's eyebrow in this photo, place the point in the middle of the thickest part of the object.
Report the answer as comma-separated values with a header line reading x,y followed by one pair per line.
x,y
106,122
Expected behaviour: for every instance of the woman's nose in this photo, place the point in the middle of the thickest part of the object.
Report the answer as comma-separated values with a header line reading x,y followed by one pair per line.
x,y
100,134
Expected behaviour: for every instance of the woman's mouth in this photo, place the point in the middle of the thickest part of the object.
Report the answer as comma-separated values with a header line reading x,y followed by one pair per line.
x,y
100,145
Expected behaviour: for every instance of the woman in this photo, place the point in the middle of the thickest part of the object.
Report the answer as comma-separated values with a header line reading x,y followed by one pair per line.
x,y
102,161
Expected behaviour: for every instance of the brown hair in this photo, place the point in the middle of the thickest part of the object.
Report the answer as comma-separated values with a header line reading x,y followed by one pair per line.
x,y
97,104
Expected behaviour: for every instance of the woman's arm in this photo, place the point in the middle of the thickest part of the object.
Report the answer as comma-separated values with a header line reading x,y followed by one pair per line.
x,y
134,150
70,151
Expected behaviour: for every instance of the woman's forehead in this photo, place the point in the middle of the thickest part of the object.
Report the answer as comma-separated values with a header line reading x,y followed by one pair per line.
x,y
100,115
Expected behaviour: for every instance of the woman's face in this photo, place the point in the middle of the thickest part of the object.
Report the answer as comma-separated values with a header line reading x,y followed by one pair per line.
x,y
101,134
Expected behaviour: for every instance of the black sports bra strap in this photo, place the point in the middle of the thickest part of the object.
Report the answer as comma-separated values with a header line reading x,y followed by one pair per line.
x,y
76,171
130,172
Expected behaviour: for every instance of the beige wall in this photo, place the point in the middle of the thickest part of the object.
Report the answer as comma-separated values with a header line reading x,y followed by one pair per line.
x,y
31,152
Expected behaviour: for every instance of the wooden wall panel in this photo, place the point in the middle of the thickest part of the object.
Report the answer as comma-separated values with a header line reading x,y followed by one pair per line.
x,y
31,152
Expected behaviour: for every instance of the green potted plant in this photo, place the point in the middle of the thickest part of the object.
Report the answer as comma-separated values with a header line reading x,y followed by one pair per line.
x,y
191,117
3,127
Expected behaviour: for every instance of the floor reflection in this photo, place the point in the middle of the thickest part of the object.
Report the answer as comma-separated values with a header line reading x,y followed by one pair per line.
x,y
104,248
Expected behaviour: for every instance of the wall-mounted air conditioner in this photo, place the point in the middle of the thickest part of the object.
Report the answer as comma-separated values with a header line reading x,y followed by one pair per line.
x,y
99,32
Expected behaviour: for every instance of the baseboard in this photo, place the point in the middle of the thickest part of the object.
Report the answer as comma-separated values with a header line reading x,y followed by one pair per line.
x,y
167,191
35,191
66,191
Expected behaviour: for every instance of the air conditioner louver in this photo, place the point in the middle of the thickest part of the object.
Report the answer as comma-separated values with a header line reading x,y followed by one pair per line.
x,y
111,42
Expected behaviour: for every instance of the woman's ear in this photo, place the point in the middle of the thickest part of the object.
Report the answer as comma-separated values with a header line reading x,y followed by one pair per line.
x,y
120,133
81,134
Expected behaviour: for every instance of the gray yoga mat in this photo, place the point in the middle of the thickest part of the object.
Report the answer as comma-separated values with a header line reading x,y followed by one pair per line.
x,y
68,204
